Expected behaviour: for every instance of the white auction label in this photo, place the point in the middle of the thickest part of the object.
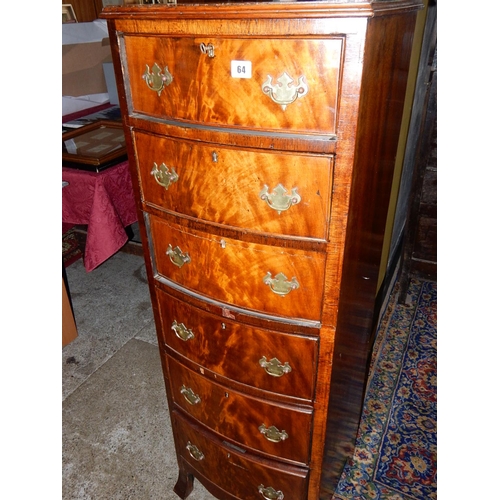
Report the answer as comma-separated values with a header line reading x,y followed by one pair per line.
x,y
241,69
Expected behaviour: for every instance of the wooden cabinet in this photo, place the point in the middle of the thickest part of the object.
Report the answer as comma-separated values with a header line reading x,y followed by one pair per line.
x,y
262,138
69,330
86,11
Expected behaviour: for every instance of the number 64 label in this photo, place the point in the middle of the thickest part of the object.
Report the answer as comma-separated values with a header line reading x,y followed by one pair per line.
x,y
241,69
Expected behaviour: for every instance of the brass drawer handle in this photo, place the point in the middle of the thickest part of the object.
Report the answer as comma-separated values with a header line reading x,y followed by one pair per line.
x,y
177,257
181,331
163,175
274,367
271,493
273,434
190,396
155,80
284,93
279,285
207,49
279,200
194,451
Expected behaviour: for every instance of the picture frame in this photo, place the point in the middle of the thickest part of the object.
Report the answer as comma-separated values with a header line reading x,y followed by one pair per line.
x,y
94,147
68,14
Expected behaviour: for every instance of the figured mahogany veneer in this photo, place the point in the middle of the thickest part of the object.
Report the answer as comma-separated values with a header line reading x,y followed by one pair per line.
x,y
202,89
234,271
236,473
233,350
223,185
239,417
265,316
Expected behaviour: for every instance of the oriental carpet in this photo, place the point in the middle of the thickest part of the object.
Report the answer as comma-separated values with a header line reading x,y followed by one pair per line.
x,y
70,246
396,449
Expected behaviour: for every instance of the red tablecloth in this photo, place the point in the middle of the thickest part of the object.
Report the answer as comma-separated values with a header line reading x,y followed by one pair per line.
x,y
104,202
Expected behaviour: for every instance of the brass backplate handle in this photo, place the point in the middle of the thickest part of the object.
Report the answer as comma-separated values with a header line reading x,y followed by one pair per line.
x,y
279,199
164,175
181,331
273,434
155,79
280,284
177,257
274,367
270,493
190,396
194,451
284,92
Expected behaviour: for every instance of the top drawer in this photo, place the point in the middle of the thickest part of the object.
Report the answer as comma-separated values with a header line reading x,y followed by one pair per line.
x,y
286,85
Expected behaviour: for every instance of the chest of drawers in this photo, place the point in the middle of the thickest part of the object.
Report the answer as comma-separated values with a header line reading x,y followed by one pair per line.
x,y
262,138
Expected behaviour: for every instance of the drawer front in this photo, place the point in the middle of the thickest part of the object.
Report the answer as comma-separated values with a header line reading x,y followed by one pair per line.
x,y
235,187
264,84
273,429
234,470
276,281
240,352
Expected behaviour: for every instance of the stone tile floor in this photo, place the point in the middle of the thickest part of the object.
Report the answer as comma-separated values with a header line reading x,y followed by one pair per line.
x,y
116,435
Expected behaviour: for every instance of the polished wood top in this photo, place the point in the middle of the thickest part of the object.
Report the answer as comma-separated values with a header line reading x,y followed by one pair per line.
x,y
211,9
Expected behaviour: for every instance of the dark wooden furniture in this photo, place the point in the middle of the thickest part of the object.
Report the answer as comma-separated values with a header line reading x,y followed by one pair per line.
x,y
94,147
262,139
69,330
86,11
419,256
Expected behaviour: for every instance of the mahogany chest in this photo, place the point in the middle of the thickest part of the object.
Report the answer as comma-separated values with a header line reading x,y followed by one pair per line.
x,y
261,138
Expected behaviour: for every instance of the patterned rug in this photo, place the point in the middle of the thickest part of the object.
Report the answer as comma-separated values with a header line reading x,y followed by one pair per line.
x,y
396,449
70,249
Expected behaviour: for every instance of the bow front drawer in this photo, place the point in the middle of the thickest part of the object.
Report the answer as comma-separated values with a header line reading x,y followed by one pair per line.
x,y
286,85
284,282
274,429
232,469
240,352
273,192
